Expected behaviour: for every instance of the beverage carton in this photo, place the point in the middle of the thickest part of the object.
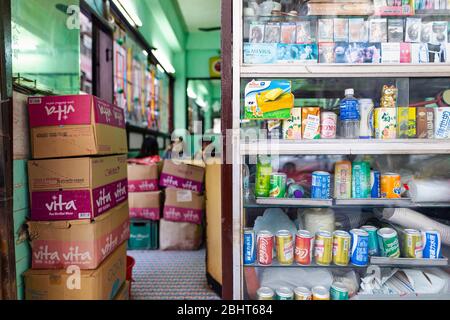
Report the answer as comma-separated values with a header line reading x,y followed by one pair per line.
x,y
442,123
183,206
406,120
143,178
182,176
145,205
425,123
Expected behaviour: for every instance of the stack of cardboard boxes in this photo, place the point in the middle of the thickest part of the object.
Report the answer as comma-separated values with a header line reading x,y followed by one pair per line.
x,y
79,202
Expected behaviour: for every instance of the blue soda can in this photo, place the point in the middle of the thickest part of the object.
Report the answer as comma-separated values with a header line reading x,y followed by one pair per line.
x,y
375,184
373,240
321,184
249,246
431,244
359,249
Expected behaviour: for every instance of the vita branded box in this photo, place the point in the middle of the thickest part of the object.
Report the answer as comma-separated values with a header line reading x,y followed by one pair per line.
x,y
183,206
406,122
442,123
425,122
76,188
145,205
143,178
82,243
77,125
104,283
179,175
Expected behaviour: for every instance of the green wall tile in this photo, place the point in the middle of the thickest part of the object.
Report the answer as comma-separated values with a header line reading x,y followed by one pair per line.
x,y
20,185
22,266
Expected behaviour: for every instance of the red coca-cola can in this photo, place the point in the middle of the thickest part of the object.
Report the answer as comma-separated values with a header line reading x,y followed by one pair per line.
x,y
265,248
304,242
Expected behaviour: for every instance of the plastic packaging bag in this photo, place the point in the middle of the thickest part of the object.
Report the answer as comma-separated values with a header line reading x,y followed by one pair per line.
x,y
274,220
296,277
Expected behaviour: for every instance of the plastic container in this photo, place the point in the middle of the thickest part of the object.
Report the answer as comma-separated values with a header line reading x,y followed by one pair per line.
x,y
349,116
143,235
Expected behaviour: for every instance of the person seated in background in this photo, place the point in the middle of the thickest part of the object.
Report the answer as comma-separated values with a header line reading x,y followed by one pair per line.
x,y
176,147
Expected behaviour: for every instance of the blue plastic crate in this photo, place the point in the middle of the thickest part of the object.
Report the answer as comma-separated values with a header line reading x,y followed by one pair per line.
x,y
143,235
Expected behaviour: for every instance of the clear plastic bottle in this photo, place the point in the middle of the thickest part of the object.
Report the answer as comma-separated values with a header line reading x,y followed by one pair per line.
x,y
349,116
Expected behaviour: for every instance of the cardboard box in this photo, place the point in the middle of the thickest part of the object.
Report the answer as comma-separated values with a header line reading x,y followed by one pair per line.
x,y
76,188
103,283
182,176
143,178
179,235
145,205
183,206
124,292
77,125
83,243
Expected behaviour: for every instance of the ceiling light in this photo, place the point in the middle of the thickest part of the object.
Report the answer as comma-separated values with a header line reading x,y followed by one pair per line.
x,y
163,61
128,12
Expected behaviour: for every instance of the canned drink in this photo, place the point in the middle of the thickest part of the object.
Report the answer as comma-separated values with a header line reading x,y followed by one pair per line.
x,y
343,180
263,172
320,186
375,184
320,293
391,186
285,247
304,243
388,243
338,291
249,246
366,110
302,293
359,253
278,185
373,240
284,293
412,244
431,244
328,125
323,252
341,248
294,190
265,293
265,248
360,180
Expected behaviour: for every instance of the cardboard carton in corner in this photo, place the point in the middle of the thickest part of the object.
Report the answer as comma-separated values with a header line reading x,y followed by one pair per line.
x,y
143,178
145,205
182,176
76,188
77,125
124,292
82,243
183,206
103,283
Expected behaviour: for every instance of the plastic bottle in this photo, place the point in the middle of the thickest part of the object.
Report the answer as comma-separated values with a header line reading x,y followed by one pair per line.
x,y
349,116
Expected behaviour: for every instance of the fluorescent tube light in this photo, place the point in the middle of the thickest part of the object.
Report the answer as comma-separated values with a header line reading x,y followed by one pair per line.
x,y
162,59
128,12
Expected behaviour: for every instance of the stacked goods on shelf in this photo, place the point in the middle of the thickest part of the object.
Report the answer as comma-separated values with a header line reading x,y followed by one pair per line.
x,y
79,205
181,228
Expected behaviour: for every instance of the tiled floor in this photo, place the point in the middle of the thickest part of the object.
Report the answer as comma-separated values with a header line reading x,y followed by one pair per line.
x,y
170,275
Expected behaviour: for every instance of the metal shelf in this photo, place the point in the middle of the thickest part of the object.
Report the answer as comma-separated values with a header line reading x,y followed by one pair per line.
x,y
276,264
412,296
294,202
344,146
372,202
408,262
344,70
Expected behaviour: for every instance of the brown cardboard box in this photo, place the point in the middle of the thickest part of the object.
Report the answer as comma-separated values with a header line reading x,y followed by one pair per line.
x,y
103,283
145,205
124,292
76,188
182,176
77,125
84,243
183,206
179,235
143,178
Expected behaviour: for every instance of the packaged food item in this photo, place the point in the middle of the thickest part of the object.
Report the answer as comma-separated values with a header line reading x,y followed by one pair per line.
x,y
375,184
341,248
302,293
323,248
442,123
389,97
265,293
373,240
320,293
143,178
183,206
304,242
292,128
264,248
338,291
366,110
359,254
391,186
412,244
274,129
425,123
268,100
145,205
311,123
343,180
385,123
388,243
431,244
278,185
177,174
321,184
249,246
262,180
360,180
285,247
284,293
406,122
328,125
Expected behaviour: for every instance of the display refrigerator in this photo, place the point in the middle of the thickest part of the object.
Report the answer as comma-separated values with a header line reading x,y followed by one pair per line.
x,y
340,149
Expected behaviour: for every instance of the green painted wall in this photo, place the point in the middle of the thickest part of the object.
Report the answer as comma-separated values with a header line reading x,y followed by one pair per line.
x,y
200,47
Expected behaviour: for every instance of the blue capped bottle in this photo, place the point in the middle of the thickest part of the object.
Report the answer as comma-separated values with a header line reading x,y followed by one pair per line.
x,y
349,116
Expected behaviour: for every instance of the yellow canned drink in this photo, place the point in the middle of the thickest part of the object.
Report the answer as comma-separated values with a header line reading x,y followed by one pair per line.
x,y
302,293
341,248
285,247
412,244
323,251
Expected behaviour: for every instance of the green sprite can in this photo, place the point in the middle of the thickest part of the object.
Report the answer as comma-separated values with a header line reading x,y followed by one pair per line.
x,y
373,240
388,243
338,291
361,180
278,185
285,293
263,172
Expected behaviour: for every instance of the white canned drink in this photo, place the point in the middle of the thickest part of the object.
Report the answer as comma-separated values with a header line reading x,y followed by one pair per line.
x,y
328,125
366,128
